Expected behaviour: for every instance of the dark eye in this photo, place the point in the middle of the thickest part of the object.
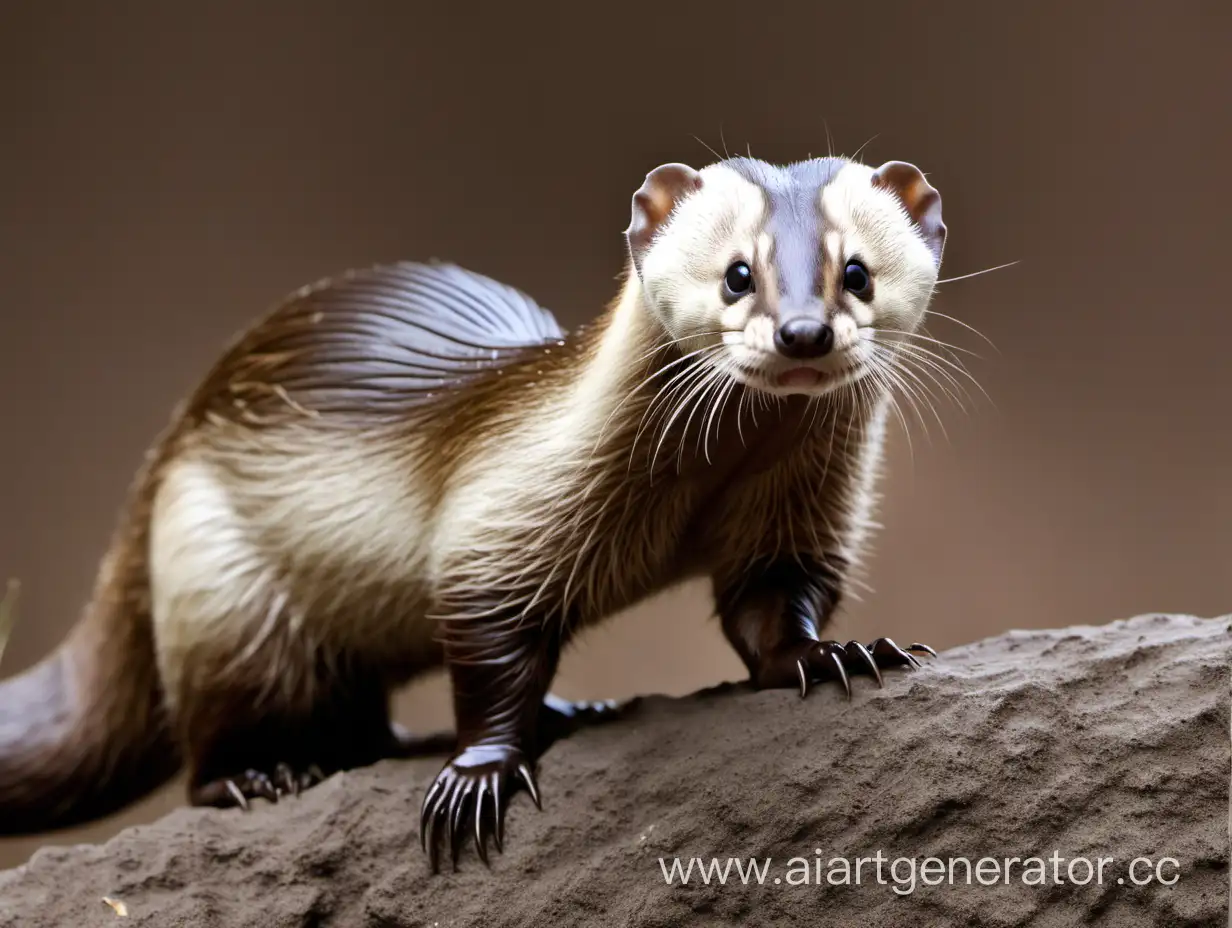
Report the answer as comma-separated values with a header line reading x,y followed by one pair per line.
x,y
737,281
856,280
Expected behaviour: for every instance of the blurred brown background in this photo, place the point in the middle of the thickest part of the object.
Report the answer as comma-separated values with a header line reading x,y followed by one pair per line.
x,y
167,171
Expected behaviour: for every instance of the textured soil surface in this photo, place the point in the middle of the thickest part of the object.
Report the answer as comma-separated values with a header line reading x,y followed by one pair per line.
x,y
1108,741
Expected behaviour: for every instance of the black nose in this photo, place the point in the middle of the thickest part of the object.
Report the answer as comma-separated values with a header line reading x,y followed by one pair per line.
x,y
804,338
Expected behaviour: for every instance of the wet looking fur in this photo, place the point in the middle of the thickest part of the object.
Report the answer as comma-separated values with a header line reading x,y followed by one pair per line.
x,y
413,465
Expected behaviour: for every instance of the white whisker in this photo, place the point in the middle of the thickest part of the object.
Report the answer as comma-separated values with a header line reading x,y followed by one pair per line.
x,y
965,325
987,270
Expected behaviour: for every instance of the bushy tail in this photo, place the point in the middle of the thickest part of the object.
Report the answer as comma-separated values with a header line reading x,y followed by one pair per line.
x,y
83,733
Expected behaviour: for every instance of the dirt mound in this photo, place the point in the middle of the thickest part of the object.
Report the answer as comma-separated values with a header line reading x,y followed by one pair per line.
x,y
1086,742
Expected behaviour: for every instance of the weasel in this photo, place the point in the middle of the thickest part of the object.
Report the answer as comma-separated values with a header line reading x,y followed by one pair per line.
x,y
413,465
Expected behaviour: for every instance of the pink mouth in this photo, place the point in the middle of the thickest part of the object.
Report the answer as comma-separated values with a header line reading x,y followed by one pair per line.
x,y
800,377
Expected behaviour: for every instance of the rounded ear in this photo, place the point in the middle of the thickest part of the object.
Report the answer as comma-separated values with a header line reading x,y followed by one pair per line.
x,y
654,201
920,198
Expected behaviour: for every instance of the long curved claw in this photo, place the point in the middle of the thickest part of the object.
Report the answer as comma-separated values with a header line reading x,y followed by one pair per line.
x,y
260,785
885,648
921,648
802,671
435,833
528,779
831,663
427,811
457,812
285,781
434,805
498,833
434,853
237,794
481,838
865,662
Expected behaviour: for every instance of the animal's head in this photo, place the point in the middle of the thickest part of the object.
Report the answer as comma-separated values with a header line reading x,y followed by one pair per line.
x,y
795,279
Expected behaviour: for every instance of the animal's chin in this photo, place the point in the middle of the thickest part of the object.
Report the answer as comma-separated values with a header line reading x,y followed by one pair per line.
x,y
801,380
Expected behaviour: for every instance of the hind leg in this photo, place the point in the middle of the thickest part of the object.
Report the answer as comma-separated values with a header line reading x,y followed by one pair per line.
x,y
237,756
245,742
267,719
286,752
240,747
273,679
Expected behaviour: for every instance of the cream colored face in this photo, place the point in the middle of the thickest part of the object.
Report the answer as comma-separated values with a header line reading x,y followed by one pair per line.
x,y
807,235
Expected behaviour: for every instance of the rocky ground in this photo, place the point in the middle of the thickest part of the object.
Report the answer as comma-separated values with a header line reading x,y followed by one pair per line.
x,y
1091,742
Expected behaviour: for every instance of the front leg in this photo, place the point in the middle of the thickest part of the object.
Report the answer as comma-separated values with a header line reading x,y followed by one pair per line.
x,y
501,663
774,615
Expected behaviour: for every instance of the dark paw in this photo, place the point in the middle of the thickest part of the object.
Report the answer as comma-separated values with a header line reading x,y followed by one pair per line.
x,y
819,661
559,718
471,793
585,713
232,792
